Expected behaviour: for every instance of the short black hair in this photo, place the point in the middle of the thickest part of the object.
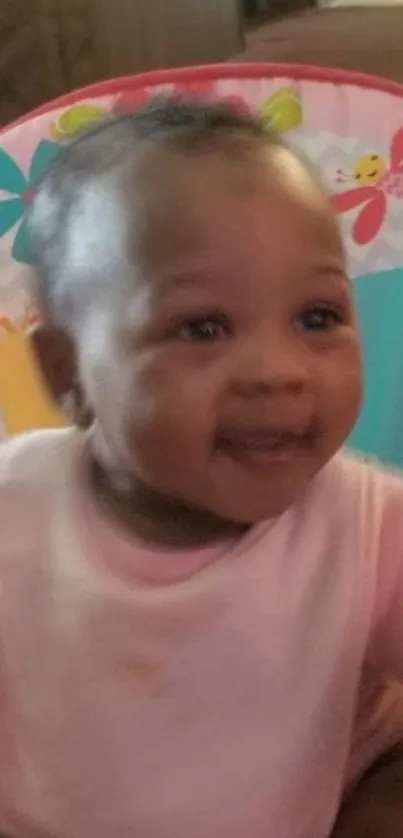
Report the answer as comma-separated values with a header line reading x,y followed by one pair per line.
x,y
186,126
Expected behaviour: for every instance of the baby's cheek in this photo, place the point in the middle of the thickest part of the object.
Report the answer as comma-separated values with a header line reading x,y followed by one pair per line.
x,y
170,420
341,387
165,382
164,403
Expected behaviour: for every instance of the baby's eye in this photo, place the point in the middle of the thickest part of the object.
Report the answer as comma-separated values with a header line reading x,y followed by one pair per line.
x,y
203,329
319,319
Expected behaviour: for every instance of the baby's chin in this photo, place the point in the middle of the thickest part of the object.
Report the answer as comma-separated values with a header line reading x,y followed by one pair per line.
x,y
233,494
250,496
246,514
247,509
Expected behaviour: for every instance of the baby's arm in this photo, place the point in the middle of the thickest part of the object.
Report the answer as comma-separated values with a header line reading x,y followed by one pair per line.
x,y
374,808
385,647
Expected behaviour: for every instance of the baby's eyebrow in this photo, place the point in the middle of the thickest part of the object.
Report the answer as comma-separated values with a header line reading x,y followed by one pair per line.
x,y
184,276
327,271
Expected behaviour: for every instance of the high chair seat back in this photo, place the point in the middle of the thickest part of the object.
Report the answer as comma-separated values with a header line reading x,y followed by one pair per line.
x,y
349,125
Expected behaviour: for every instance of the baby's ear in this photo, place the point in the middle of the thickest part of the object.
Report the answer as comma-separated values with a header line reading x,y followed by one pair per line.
x,y
55,356
54,353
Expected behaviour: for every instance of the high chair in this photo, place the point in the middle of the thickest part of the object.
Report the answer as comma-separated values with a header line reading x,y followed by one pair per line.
x,y
349,125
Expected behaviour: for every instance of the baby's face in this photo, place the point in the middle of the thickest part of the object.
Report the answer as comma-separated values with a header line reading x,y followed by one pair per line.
x,y
232,374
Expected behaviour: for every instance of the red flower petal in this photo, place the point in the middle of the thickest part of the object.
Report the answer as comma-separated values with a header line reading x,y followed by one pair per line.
x,y
194,89
370,220
131,100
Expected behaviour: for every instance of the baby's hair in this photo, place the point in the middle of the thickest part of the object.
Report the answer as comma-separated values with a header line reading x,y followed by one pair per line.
x,y
91,161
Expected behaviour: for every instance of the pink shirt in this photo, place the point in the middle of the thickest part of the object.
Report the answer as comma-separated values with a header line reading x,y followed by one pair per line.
x,y
222,693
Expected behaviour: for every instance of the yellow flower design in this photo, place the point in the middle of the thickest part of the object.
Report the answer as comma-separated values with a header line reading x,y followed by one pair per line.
x,y
76,119
282,111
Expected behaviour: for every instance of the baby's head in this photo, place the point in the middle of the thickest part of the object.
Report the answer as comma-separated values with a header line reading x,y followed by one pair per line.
x,y
192,280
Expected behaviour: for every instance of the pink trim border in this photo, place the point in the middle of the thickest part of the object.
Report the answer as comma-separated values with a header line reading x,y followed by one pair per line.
x,y
215,72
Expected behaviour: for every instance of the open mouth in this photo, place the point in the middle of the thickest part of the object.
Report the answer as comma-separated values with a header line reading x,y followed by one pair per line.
x,y
264,446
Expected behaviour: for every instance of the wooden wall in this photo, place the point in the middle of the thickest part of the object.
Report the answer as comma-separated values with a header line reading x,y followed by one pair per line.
x,y
48,47
139,34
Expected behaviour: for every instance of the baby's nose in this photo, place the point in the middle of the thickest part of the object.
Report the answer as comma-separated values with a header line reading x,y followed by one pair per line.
x,y
270,365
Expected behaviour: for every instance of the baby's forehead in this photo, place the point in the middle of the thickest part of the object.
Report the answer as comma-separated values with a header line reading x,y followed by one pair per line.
x,y
142,251
178,198
163,185
159,168
162,204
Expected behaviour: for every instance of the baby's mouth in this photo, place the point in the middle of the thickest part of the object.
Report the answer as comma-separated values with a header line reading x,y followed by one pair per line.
x,y
264,446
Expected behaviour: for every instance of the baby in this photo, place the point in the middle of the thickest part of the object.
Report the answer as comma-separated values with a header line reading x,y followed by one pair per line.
x,y
201,597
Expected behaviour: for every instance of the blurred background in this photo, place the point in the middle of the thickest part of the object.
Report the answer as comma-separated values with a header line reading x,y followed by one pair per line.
x,y
48,47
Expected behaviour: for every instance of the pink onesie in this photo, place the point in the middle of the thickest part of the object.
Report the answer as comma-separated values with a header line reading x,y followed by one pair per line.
x,y
230,692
